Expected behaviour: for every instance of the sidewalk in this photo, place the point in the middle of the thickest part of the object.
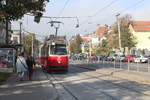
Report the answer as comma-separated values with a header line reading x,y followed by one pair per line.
x,y
142,77
38,89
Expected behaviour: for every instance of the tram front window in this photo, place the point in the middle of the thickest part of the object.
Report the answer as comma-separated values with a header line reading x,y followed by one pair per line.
x,y
61,51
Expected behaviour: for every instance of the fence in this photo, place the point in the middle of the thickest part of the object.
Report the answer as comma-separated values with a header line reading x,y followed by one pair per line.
x,y
130,66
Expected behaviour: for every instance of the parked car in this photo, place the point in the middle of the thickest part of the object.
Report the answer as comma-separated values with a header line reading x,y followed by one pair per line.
x,y
147,56
141,59
129,58
111,57
120,57
93,58
101,57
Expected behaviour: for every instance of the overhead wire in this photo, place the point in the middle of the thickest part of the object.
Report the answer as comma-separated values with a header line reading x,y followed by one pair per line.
x,y
105,7
100,11
130,7
52,17
62,10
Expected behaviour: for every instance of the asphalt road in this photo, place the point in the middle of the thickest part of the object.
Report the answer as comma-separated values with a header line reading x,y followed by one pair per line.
x,y
82,82
85,84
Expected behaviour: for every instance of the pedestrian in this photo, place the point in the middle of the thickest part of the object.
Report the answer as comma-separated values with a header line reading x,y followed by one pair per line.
x,y
21,66
31,64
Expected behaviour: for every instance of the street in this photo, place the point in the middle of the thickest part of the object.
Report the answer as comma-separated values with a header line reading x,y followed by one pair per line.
x,y
80,83
74,50
84,84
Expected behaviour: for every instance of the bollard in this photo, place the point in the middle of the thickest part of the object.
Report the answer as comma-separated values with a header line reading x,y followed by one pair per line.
x,y
128,65
114,64
137,66
120,63
148,65
103,63
88,60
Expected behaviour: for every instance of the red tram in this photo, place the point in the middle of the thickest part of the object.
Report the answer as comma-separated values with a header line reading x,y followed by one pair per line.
x,y
53,54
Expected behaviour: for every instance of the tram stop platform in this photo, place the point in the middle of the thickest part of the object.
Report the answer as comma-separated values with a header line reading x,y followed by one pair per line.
x,y
37,89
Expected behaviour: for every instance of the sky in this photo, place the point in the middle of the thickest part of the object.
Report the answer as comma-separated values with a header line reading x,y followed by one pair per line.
x,y
90,13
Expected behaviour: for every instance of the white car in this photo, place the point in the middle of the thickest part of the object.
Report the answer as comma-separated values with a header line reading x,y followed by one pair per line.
x,y
141,59
120,57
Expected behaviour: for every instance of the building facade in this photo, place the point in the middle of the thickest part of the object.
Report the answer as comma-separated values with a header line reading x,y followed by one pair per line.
x,y
3,33
141,32
15,37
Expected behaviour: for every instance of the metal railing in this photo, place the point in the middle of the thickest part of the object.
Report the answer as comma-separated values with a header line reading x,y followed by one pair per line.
x,y
130,66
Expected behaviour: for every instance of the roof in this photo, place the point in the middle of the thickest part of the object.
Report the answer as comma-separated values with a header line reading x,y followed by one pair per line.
x,y
85,39
141,26
85,35
101,31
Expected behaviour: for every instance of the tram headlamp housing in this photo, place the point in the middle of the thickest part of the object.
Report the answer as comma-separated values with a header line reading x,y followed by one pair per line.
x,y
53,43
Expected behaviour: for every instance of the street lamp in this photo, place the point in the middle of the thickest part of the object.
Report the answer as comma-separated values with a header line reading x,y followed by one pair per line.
x,y
56,27
20,34
119,32
77,25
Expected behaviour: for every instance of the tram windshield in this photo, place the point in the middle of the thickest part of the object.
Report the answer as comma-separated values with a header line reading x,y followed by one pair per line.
x,y
58,50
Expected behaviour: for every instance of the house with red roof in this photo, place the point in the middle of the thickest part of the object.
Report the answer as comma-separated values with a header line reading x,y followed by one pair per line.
x,y
91,41
101,31
141,32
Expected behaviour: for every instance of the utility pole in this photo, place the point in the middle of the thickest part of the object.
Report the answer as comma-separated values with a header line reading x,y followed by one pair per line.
x,y
56,30
119,33
20,33
7,33
56,27
32,46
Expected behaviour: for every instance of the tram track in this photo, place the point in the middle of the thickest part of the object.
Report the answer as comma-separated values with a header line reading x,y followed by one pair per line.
x,y
76,98
110,82
55,82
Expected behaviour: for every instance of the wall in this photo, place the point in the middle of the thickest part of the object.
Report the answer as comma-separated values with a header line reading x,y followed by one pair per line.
x,y
2,33
142,39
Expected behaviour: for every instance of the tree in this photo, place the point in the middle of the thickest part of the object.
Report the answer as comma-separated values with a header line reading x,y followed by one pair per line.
x,y
28,44
15,9
112,38
72,48
127,38
102,48
75,44
107,45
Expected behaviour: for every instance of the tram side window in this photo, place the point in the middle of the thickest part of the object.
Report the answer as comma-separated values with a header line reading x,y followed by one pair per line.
x,y
52,50
44,51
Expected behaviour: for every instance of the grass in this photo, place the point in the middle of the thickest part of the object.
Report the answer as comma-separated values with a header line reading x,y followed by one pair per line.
x,y
4,77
